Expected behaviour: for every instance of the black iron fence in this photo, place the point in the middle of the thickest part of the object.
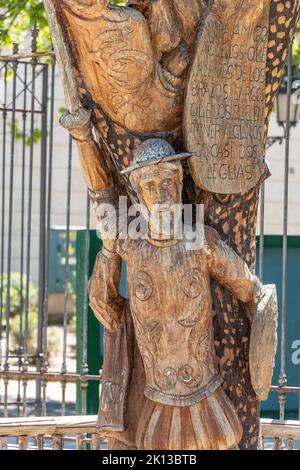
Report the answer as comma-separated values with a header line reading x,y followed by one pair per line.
x,y
27,109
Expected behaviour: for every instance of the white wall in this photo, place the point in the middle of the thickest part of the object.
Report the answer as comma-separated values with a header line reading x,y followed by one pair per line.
x,y
275,184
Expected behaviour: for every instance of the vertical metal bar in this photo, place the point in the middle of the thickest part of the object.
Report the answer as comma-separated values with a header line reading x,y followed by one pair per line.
x,y
79,442
42,236
3,442
95,442
24,129
84,366
282,377
29,228
262,232
290,444
40,442
10,222
3,208
48,225
23,442
67,277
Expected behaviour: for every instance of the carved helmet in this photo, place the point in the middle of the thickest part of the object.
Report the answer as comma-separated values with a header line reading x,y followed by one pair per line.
x,y
152,152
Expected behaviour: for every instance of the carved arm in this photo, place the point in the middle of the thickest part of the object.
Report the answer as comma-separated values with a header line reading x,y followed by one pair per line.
x,y
94,166
229,270
106,302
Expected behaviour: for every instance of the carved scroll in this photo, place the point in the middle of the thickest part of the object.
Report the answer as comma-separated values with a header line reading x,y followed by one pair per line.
x,y
225,99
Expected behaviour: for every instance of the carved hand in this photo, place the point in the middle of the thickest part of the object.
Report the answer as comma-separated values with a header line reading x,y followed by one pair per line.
x,y
105,300
78,124
113,226
95,169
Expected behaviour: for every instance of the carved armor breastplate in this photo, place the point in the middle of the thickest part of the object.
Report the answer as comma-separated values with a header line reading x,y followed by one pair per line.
x,y
171,309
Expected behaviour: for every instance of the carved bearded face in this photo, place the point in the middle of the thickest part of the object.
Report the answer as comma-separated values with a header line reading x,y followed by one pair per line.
x,y
159,189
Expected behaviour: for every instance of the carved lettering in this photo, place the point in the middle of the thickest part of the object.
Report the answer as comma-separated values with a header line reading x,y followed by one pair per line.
x,y
224,112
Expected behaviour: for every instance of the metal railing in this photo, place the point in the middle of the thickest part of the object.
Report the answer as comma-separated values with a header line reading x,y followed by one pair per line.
x,y
79,432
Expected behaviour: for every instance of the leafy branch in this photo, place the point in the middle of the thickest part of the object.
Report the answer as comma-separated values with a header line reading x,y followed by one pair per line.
x,y
17,18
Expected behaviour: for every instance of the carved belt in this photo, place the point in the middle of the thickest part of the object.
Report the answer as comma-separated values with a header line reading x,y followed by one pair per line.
x,y
184,400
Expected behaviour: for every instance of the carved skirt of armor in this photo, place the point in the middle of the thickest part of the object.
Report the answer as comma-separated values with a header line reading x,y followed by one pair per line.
x,y
211,424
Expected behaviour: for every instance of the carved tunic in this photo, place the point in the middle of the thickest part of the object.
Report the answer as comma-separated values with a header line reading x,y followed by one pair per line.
x,y
171,307
170,300
121,72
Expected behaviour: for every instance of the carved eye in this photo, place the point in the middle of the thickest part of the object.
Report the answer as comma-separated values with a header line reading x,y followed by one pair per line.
x,y
143,286
193,283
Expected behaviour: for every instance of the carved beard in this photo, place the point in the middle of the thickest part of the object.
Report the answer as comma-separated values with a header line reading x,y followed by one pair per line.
x,y
164,223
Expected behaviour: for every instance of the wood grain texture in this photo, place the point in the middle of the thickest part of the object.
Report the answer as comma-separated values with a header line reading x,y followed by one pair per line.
x,y
66,425
119,64
263,343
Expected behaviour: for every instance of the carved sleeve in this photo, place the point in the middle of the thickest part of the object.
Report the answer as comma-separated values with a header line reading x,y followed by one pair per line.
x,y
229,270
106,302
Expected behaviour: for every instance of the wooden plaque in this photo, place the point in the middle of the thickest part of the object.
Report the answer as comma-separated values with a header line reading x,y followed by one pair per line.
x,y
263,343
224,115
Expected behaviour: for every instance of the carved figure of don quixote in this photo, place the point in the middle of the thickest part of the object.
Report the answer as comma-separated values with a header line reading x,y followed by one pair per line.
x,y
169,102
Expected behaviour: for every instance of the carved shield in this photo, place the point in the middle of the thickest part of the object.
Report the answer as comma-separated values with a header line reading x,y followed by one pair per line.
x,y
224,120
263,343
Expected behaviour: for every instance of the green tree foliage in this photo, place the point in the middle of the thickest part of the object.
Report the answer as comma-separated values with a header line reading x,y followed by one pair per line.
x,y
297,49
17,18
17,297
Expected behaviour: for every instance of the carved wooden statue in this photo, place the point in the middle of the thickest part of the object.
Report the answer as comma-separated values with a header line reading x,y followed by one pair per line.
x,y
171,306
202,75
